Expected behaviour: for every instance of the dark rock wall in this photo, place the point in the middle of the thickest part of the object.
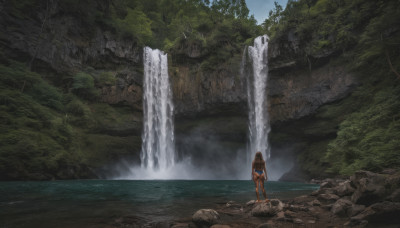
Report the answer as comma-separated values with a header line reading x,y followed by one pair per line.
x,y
298,93
65,44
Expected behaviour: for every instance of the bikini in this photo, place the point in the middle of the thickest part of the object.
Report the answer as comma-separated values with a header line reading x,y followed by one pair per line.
x,y
259,171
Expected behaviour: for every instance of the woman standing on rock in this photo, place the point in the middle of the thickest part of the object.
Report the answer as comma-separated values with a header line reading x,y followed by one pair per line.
x,y
259,174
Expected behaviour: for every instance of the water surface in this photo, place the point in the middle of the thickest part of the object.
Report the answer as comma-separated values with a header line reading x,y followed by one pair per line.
x,y
100,203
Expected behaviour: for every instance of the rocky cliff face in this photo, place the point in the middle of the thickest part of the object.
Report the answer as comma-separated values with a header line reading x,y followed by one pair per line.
x,y
293,90
201,91
65,46
299,93
62,44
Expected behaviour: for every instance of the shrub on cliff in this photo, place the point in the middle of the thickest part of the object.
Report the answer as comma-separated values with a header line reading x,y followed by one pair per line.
x,y
83,86
135,25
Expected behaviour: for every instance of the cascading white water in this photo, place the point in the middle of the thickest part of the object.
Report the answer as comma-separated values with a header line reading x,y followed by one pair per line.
x,y
256,85
158,149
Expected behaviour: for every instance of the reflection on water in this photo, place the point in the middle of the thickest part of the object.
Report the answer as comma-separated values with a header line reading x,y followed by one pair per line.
x,y
82,203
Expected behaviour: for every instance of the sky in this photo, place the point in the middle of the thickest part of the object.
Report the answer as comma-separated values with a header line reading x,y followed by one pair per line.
x,y
261,8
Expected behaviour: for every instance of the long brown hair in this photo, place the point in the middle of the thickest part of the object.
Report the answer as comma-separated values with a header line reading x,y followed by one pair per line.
x,y
259,161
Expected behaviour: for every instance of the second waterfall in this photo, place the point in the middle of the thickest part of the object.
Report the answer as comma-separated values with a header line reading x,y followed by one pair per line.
x,y
256,70
158,150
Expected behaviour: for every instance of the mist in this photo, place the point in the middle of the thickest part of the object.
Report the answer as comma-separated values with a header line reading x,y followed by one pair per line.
x,y
203,154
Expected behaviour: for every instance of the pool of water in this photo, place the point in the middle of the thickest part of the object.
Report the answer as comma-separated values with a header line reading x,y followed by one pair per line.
x,y
98,203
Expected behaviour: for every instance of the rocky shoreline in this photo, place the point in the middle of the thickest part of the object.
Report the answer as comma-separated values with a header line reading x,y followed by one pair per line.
x,y
365,199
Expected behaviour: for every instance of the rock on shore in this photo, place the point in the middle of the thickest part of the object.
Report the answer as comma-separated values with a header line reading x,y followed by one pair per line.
x,y
365,198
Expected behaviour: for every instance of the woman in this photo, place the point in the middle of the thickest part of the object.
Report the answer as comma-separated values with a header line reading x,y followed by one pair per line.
x,y
259,174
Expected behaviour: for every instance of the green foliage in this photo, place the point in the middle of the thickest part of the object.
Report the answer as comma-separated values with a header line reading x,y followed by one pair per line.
x,y
135,25
272,22
365,34
45,134
369,139
23,8
46,95
77,108
105,79
17,76
83,86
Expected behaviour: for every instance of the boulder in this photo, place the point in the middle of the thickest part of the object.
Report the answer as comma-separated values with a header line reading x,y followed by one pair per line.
x,y
328,198
355,209
344,188
280,216
369,187
327,183
327,207
315,203
220,226
162,225
180,225
395,196
267,209
251,202
341,207
327,191
311,221
389,171
297,221
384,212
297,208
205,217
290,214
233,204
266,225
301,199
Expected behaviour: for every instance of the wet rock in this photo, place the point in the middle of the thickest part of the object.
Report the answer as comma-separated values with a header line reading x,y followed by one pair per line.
x,y
327,207
297,208
385,212
326,191
266,225
311,221
389,171
161,225
220,226
355,209
290,214
250,203
301,199
356,223
395,196
297,221
328,183
315,193
233,204
315,203
205,217
328,198
267,209
369,187
280,216
341,206
180,225
344,188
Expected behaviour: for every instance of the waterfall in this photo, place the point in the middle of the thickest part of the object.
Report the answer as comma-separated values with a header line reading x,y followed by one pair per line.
x,y
257,76
158,152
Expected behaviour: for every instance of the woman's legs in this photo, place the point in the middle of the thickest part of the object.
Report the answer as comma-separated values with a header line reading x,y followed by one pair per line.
x,y
257,182
262,187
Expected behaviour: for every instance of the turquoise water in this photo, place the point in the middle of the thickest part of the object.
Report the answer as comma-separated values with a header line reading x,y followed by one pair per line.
x,y
97,203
